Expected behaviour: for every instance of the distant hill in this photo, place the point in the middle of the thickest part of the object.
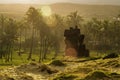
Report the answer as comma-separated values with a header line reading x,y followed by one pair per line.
x,y
15,10
86,11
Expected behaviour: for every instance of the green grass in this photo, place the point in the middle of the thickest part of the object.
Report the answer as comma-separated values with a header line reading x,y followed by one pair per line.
x,y
18,60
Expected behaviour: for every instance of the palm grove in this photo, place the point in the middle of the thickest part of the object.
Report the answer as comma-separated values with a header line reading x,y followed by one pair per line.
x,y
39,35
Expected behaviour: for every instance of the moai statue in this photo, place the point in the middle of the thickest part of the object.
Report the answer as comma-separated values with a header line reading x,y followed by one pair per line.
x,y
74,43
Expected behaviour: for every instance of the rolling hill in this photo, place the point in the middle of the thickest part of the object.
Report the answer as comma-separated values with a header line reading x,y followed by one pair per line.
x,y
86,11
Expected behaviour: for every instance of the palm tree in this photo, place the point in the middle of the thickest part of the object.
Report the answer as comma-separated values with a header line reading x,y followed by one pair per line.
x,y
73,19
32,17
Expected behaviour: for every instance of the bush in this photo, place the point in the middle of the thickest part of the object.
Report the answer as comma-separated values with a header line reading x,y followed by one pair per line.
x,y
45,68
115,75
33,64
96,75
94,58
57,63
111,55
65,77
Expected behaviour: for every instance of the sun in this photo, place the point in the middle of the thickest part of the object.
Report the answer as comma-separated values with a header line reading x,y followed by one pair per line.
x,y
46,10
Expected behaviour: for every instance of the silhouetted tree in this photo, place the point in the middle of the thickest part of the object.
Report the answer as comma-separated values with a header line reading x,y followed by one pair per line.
x,y
32,17
8,39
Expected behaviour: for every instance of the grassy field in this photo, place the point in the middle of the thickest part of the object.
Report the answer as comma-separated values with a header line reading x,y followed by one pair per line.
x,y
18,60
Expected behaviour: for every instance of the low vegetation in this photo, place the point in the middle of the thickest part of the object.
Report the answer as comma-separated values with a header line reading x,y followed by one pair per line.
x,y
97,75
88,70
57,63
37,68
82,70
111,55
63,76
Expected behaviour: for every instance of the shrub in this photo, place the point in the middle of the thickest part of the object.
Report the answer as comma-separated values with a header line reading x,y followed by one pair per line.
x,y
111,55
57,63
94,58
45,68
96,75
63,76
115,75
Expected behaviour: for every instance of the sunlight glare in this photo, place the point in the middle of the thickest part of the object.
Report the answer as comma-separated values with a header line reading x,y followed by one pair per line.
x,y
46,10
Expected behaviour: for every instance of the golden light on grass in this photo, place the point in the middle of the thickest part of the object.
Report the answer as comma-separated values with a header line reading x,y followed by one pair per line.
x,y
46,11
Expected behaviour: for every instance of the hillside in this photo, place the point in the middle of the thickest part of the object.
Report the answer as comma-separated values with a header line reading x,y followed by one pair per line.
x,y
15,10
86,11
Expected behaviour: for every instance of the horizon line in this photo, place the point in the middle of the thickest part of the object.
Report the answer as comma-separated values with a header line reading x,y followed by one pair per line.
x,y
63,3
66,2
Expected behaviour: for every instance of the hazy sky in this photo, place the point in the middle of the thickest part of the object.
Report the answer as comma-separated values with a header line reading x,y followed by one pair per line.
x,y
114,2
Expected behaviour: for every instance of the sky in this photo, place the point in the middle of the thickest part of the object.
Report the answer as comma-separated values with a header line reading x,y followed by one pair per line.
x,y
113,2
